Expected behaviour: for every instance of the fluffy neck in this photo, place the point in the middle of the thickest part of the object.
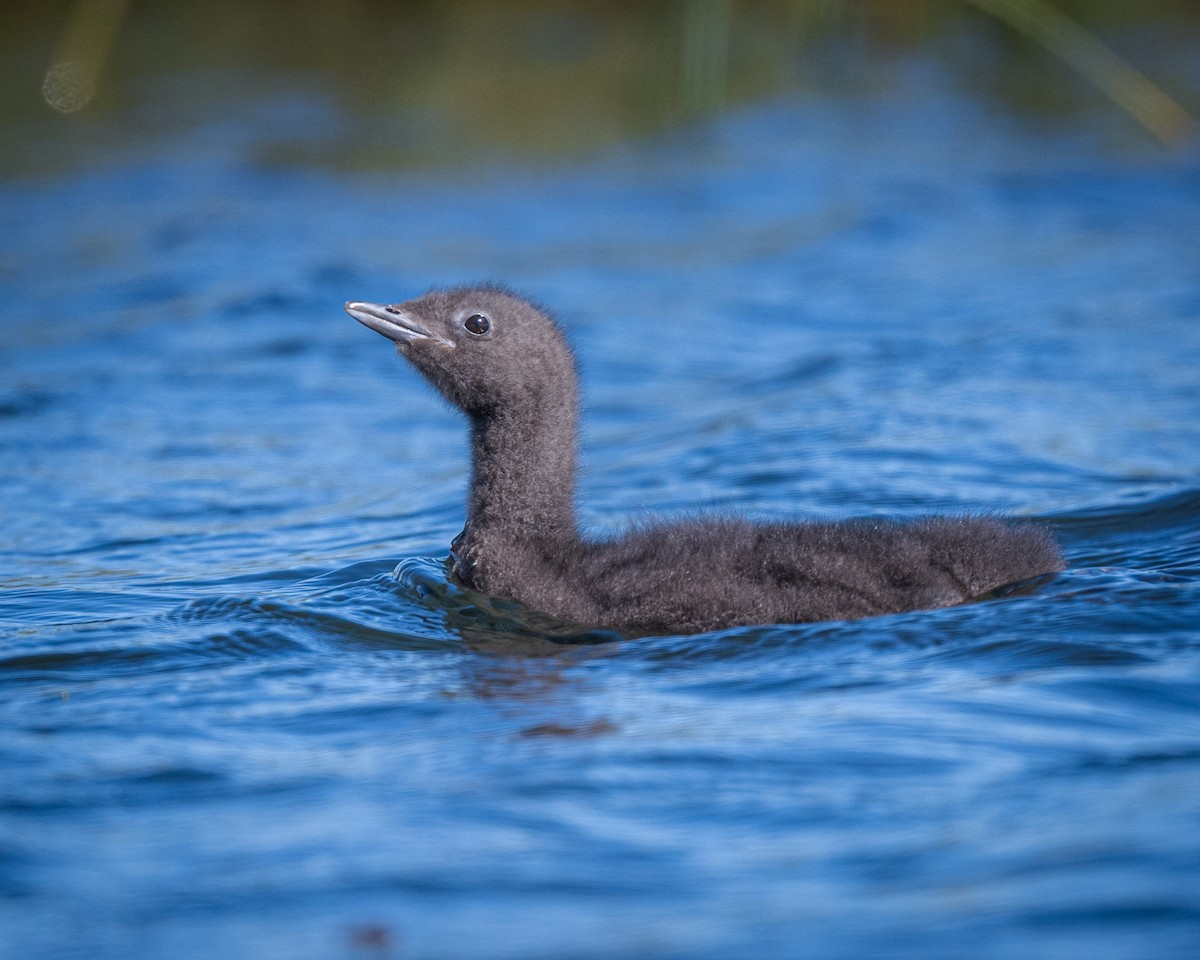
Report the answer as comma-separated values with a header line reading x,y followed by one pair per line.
x,y
523,471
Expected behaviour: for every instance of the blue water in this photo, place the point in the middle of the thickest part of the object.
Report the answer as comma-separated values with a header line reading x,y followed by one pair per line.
x,y
246,715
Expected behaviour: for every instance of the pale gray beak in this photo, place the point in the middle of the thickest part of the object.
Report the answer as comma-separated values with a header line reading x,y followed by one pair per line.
x,y
391,322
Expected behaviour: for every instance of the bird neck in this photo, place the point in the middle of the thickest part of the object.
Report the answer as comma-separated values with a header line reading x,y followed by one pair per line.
x,y
523,473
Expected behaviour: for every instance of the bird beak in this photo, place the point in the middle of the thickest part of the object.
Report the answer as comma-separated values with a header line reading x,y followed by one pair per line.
x,y
392,323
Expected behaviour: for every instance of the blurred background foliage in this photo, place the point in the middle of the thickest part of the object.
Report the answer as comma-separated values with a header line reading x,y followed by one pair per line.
x,y
417,83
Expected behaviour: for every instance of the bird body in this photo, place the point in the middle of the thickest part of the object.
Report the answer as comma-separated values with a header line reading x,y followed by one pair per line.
x,y
506,364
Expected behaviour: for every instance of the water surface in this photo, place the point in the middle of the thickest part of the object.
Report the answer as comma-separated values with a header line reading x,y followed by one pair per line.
x,y
246,714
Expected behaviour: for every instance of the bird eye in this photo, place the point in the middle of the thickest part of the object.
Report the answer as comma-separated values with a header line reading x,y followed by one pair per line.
x,y
477,324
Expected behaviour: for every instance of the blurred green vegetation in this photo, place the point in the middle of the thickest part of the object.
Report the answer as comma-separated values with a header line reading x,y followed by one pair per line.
x,y
441,82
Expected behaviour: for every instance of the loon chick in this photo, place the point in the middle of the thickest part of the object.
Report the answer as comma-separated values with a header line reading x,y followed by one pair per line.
x,y
506,364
